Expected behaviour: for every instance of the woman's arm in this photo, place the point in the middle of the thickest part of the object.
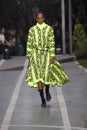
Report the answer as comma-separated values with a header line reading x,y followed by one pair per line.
x,y
29,43
51,43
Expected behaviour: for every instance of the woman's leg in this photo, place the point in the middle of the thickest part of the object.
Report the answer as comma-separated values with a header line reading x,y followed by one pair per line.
x,y
48,95
40,89
40,85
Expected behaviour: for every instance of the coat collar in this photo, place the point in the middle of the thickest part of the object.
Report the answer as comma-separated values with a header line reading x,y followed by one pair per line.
x,y
41,25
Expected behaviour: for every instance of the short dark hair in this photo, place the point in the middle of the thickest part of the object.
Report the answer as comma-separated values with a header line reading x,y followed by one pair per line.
x,y
40,12
1,28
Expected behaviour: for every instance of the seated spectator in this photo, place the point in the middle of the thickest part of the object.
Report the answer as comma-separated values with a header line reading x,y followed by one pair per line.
x,y
4,44
12,41
20,43
12,30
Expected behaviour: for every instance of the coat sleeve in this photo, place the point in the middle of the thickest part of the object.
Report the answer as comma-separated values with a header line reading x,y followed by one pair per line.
x,y
51,42
29,44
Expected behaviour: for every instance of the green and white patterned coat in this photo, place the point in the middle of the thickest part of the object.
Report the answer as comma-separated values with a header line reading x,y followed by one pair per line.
x,y
40,48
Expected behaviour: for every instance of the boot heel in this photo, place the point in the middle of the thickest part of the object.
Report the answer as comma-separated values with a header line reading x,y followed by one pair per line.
x,y
42,98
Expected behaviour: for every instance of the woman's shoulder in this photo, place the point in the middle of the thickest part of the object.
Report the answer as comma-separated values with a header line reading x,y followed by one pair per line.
x,y
31,28
50,28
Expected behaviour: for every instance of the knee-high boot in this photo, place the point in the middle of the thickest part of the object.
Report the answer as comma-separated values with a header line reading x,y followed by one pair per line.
x,y
48,95
42,98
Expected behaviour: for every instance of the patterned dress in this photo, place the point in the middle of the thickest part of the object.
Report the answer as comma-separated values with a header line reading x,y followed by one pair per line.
x,y
79,34
40,47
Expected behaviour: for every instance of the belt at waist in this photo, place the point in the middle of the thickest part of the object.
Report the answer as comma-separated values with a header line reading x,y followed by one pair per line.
x,y
38,48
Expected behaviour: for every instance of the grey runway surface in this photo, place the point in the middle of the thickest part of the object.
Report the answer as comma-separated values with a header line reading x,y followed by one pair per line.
x,y
20,105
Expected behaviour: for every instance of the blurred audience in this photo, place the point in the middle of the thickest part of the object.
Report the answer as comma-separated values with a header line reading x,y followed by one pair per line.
x,y
5,46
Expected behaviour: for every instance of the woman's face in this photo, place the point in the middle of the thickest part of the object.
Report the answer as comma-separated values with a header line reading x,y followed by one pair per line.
x,y
77,20
3,30
40,18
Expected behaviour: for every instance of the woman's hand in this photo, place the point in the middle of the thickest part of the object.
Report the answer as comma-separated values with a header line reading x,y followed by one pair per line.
x,y
9,44
52,60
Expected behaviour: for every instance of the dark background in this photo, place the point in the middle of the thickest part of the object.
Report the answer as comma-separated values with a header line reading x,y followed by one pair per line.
x,y
13,11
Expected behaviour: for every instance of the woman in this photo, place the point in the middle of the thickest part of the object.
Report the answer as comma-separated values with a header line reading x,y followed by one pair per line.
x,y
43,69
79,35
5,46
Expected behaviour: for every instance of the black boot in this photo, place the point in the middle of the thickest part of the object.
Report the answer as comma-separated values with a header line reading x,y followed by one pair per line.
x,y
48,95
42,98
